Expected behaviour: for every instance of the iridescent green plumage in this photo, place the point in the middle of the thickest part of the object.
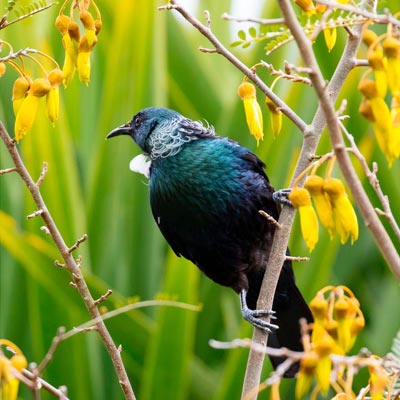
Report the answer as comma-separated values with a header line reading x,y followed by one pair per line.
x,y
205,194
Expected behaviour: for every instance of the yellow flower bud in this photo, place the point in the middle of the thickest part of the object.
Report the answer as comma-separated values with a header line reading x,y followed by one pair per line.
x,y
365,110
247,93
314,184
55,77
26,116
73,30
62,22
319,307
20,89
40,87
369,37
18,361
87,19
53,104
276,116
98,24
301,199
343,212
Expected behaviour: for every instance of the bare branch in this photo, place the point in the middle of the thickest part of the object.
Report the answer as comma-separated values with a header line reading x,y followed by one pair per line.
x,y
70,264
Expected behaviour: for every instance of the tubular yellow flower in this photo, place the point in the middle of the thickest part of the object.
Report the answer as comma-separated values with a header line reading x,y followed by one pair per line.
x,y
276,116
301,199
343,212
377,62
83,64
89,24
324,347
20,89
314,184
53,104
69,60
308,365
391,48
247,93
382,124
26,116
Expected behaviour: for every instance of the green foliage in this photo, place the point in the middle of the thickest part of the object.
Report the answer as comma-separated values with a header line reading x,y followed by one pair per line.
x,y
145,57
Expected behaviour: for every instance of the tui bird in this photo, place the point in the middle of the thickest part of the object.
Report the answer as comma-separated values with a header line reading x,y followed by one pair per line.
x,y
205,194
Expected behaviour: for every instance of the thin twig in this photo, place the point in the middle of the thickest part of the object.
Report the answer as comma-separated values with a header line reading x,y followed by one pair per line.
x,y
42,174
59,393
78,243
103,297
50,353
7,170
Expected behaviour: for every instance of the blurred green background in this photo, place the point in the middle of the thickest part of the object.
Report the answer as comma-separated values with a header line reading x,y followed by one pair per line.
x,y
147,57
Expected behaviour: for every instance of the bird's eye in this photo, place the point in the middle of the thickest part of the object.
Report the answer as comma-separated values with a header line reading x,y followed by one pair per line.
x,y
137,122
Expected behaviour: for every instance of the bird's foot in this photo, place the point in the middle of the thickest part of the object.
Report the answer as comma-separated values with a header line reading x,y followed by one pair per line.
x,y
282,197
255,316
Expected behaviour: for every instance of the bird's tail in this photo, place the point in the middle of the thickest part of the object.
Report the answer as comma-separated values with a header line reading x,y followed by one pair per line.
x,y
290,307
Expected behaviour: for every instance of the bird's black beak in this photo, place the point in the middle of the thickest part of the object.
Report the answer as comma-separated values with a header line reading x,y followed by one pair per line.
x,y
125,129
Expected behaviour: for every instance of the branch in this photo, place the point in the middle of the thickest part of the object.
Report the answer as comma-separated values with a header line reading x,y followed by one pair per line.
x,y
70,264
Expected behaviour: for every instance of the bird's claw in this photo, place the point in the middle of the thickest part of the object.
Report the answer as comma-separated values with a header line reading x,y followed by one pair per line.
x,y
255,316
282,197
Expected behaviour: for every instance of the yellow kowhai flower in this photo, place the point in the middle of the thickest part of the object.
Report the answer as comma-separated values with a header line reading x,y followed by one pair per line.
x,y
8,383
345,218
378,64
276,116
315,184
391,48
301,199
55,78
27,111
395,112
308,365
324,348
247,93
382,124
83,60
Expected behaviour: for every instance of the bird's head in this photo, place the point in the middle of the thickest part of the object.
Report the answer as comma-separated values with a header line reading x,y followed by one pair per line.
x,y
146,125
